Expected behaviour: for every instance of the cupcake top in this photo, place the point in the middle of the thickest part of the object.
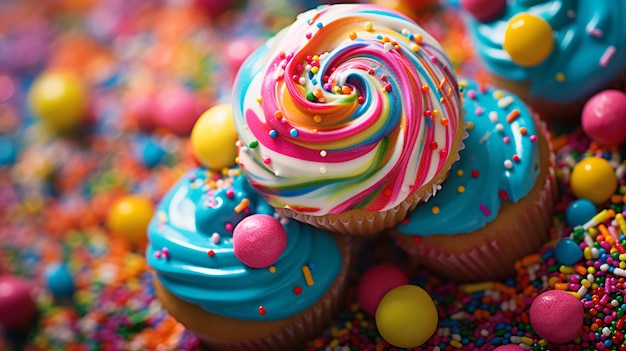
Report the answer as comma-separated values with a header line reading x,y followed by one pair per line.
x,y
500,162
351,107
566,50
197,258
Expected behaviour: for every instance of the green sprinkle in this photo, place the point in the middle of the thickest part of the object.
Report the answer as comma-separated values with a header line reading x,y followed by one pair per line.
x,y
311,97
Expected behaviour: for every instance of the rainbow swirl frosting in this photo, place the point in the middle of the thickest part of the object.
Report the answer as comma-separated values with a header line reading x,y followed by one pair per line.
x,y
500,162
191,250
351,107
588,50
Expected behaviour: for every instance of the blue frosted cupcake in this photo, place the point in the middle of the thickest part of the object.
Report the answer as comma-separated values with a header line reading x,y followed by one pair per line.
x,y
497,204
555,54
235,273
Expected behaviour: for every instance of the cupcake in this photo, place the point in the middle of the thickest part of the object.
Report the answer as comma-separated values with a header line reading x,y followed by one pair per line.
x,y
497,204
348,118
554,54
236,274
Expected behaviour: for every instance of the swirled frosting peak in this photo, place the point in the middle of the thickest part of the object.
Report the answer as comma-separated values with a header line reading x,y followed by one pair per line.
x,y
353,106
192,250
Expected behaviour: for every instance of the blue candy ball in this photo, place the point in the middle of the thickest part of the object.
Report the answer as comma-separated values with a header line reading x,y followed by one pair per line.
x,y
8,151
567,252
580,212
151,153
60,281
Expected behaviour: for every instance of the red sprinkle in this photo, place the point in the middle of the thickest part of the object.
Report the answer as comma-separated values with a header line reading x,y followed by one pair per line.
x,y
262,310
297,290
211,253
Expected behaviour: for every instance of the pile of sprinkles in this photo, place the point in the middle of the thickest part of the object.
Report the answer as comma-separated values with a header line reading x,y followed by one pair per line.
x,y
55,193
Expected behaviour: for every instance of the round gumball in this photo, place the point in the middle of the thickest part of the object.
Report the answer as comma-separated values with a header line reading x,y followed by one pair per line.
x,y
593,178
237,50
60,281
557,316
406,316
59,99
604,117
139,106
376,282
215,8
8,151
509,347
528,39
259,240
129,217
567,252
580,212
150,153
176,109
214,136
484,10
17,307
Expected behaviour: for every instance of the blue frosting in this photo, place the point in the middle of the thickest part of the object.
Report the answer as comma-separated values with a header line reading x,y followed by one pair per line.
x,y
584,31
472,194
203,203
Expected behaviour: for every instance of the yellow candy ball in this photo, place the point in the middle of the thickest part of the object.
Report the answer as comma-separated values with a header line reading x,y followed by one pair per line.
x,y
406,316
528,39
593,178
213,138
58,98
129,217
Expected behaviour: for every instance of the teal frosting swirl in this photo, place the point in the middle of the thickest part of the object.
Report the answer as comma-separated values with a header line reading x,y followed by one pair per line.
x,y
500,161
589,51
193,265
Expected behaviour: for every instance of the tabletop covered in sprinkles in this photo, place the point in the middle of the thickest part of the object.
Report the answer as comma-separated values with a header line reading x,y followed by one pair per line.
x,y
71,194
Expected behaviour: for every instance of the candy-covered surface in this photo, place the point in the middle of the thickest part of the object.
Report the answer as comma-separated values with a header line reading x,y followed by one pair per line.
x,y
56,192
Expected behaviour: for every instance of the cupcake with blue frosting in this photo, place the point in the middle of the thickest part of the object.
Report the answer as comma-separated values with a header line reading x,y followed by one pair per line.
x,y
497,204
555,54
237,274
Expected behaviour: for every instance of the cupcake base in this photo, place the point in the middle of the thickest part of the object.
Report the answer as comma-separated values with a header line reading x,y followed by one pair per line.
x,y
223,333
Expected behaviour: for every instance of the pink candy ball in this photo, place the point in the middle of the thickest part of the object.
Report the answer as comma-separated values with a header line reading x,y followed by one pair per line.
x,y
139,106
376,282
17,307
484,10
604,117
176,109
557,316
509,347
258,240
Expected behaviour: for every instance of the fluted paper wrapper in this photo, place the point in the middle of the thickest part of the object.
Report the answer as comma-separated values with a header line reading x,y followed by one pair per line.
x,y
495,257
